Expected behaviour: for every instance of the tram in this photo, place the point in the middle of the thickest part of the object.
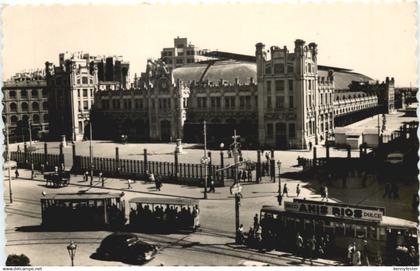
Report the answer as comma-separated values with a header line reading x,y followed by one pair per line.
x,y
343,223
164,214
83,211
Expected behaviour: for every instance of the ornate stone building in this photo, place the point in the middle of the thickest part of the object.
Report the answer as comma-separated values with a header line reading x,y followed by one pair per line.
x,y
72,86
277,98
25,104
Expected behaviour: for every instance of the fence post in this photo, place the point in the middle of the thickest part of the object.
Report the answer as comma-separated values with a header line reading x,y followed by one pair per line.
x,y
176,165
61,156
327,150
117,160
273,166
145,161
45,153
314,163
210,169
222,173
258,169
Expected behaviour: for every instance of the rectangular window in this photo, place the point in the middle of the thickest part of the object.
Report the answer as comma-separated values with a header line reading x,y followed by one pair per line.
x,y
279,85
84,92
292,130
268,69
78,81
278,68
217,102
242,101
213,102
309,84
232,102
179,61
85,105
291,105
91,92
78,93
290,68
270,130
290,83
84,80
269,102
204,102
248,102
79,106
91,81
227,102
309,67
269,86
279,102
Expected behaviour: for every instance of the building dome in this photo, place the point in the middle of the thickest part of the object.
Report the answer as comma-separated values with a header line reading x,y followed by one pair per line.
x,y
227,70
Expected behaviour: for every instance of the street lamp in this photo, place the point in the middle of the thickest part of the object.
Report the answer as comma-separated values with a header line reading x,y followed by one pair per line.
x,y
9,163
280,198
71,248
90,152
205,159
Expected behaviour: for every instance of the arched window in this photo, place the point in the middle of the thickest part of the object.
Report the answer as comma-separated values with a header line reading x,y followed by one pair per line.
x,y
25,118
34,93
45,105
35,106
46,118
13,107
24,106
35,118
13,119
12,94
23,93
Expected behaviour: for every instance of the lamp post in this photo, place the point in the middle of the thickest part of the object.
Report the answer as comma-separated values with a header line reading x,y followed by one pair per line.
x,y
222,176
90,153
280,198
71,248
235,152
204,160
8,162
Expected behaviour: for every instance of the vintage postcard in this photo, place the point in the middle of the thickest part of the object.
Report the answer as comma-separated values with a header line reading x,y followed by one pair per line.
x,y
273,134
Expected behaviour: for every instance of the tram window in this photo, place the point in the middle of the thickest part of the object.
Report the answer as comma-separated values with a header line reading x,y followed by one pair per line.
x,y
371,232
361,232
382,234
91,203
339,229
99,203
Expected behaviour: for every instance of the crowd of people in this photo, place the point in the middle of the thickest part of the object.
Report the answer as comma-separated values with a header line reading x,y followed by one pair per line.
x,y
164,217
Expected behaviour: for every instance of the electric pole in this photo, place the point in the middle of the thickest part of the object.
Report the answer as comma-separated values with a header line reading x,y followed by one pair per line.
x,y
205,160
90,152
237,195
8,162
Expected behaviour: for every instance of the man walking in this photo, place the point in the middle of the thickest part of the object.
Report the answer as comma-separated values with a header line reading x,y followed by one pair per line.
x,y
212,186
325,193
297,190
16,173
285,190
299,245
129,182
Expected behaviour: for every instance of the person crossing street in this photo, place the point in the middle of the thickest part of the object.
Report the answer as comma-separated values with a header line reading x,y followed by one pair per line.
x,y
297,190
285,190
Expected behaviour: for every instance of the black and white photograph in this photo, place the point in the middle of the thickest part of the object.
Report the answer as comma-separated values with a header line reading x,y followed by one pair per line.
x,y
224,134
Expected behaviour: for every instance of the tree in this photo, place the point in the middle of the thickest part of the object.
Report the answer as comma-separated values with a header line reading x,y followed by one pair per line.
x,y
17,260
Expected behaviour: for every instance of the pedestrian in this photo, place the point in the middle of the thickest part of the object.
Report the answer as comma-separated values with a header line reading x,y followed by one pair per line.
x,y
299,245
32,171
267,156
157,183
212,186
100,176
16,173
229,154
312,248
85,177
326,193
62,168
387,190
310,146
18,148
151,178
42,168
129,182
350,251
285,190
256,223
357,258
102,179
365,253
55,169
241,237
297,190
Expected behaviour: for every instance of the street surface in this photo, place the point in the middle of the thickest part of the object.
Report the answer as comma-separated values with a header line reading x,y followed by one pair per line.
x,y
212,245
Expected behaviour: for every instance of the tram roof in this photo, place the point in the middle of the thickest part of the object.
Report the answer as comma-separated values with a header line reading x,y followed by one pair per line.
x,y
387,221
172,201
82,196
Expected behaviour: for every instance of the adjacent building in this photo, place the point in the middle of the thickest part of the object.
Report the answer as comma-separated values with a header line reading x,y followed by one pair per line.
x,y
72,86
25,105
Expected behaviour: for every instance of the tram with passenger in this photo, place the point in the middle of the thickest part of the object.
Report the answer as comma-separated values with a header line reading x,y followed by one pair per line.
x,y
341,224
164,214
83,211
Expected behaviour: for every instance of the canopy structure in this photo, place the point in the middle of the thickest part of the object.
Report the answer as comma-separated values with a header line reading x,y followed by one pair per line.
x,y
82,196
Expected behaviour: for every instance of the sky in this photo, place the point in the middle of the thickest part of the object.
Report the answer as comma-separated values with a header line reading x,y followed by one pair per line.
x,y
378,40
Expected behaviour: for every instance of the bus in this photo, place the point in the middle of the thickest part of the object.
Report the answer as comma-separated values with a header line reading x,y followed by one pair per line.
x,y
83,210
164,214
341,224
